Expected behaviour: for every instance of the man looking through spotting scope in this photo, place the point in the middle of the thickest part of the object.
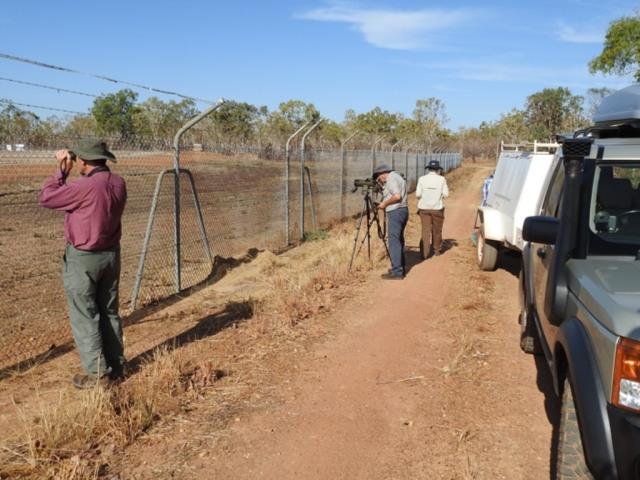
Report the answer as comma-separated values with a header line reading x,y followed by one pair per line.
x,y
93,207
394,204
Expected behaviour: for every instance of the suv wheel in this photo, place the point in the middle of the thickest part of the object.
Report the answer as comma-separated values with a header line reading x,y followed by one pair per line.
x,y
571,463
487,253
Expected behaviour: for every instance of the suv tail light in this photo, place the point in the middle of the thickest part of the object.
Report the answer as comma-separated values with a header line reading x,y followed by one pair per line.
x,y
626,375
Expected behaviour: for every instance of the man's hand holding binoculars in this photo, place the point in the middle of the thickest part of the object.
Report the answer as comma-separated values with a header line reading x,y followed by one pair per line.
x,y
65,159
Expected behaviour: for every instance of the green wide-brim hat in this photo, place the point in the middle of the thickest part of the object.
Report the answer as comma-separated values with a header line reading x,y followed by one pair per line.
x,y
93,150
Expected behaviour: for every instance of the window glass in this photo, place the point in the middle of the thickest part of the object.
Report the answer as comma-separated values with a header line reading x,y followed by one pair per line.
x,y
615,203
552,202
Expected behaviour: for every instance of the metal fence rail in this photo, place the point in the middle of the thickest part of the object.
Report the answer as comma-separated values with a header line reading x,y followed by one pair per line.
x,y
242,198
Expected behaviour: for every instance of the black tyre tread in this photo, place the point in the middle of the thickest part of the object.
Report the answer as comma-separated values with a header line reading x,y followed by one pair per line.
x,y
571,463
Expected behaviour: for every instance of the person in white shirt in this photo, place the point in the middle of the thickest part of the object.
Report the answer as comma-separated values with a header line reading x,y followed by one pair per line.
x,y
431,190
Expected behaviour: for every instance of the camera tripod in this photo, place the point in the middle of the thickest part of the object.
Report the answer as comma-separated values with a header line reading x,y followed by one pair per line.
x,y
370,211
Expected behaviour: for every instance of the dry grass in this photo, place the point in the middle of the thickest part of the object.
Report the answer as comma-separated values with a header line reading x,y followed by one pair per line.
x,y
68,437
73,435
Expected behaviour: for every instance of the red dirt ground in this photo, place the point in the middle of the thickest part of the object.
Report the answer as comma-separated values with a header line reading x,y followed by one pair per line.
x,y
420,378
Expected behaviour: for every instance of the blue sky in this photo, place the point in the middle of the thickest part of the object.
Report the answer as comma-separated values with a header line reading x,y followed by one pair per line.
x,y
481,58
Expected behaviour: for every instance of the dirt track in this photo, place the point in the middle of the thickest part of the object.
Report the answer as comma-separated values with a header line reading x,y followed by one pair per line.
x,y
421,378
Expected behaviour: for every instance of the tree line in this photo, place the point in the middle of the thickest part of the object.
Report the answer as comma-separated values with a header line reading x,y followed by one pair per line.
x,y
154,121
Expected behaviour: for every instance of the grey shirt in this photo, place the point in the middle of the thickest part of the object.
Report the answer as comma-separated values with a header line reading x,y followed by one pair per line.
x,y
395,184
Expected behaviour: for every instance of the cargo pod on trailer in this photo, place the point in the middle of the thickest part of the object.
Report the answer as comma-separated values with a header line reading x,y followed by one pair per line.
x,y
521,173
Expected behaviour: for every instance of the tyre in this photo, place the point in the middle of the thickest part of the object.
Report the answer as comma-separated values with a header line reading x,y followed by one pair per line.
x,y
571,463
487,254
529,340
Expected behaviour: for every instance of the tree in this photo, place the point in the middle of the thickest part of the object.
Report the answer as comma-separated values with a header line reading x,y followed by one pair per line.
x,y
332,133
621,52
430,116
512,127
290,116
376,121
80,126
594,99
16,125
161,120
552,111
115,113
236,122
297,112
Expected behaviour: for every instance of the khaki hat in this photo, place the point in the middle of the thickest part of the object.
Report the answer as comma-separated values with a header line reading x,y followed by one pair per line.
x,y
93,150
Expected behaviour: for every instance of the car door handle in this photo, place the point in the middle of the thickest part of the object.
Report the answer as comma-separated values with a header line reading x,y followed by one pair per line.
x,y
541,252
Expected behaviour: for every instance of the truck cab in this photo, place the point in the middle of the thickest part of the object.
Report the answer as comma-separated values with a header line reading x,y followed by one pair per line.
x,y
580,289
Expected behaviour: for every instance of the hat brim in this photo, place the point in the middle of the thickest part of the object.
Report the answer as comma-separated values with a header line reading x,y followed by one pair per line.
x,y
377,174
84,155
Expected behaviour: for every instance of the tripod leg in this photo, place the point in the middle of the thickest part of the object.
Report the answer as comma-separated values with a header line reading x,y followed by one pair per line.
x,y
381,235
367,235
369,212
355,239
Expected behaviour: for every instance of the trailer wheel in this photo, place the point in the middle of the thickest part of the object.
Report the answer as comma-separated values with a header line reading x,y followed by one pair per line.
x,y
487,253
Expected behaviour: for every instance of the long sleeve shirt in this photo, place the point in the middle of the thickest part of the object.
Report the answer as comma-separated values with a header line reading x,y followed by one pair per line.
x,y
93,207
431,189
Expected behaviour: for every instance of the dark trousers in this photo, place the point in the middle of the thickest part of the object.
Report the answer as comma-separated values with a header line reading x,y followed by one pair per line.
x,y
432,221
396,222
91,283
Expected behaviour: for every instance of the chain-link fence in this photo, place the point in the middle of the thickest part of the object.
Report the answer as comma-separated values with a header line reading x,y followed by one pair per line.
x,y
242,199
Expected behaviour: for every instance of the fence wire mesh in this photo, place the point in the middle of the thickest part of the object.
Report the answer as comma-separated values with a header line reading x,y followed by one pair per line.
x,y
242,197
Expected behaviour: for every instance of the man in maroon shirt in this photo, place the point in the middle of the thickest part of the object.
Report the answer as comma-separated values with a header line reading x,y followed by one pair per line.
x,y
93,207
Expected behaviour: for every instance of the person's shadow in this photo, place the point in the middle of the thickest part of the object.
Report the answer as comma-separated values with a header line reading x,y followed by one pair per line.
x,y
552,404
233,313
413,255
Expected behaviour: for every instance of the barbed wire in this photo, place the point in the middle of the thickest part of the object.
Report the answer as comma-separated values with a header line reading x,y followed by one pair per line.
x,y
11,102
37,63
40,85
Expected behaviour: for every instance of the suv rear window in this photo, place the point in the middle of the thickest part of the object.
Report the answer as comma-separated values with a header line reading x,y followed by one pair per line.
x,y
615,204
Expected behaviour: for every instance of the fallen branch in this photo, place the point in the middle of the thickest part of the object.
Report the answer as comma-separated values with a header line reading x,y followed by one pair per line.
x,y
409,379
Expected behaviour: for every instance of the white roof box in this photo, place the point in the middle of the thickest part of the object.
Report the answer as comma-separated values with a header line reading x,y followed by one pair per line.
x,y
619,107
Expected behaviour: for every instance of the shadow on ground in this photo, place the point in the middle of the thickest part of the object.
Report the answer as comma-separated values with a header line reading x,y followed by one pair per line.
x,y
552,405
413,255
510,261
221,266
233,313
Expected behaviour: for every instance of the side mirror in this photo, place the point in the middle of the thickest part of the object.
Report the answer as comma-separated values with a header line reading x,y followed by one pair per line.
x,y
541,230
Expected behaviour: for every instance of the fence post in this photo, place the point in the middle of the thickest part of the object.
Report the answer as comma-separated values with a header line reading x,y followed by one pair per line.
x,y
342,169
373,152
304,138
287,154
393,164
176,203
406,159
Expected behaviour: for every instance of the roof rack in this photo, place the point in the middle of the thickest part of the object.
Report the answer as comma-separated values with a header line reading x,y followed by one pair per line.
x,y
534,147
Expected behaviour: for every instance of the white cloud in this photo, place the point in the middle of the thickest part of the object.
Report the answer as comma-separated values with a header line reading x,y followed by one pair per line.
x,y
394,29
504,70
569,34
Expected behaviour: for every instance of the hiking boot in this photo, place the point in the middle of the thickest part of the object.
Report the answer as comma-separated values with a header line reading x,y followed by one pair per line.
x,y
391,276
84,382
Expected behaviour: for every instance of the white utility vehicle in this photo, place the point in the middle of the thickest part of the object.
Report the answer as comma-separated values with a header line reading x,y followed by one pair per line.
x,y
514,195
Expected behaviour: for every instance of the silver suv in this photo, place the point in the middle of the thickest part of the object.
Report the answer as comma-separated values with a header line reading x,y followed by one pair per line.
x,y
580,288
